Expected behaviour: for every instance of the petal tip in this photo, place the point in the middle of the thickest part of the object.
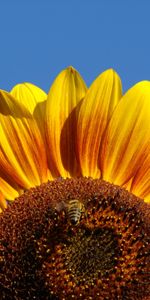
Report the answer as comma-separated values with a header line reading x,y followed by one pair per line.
x,y
71,68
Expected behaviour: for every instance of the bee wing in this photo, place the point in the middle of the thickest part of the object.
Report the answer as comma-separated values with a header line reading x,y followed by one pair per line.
x,y
61,206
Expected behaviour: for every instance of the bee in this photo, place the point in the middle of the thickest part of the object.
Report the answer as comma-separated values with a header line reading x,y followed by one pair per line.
x,y
73,209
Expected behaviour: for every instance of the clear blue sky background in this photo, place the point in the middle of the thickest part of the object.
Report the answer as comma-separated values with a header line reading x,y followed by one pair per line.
x,y
39,38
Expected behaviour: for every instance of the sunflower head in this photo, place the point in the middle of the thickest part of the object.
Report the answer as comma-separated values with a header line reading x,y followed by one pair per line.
x,y
83,237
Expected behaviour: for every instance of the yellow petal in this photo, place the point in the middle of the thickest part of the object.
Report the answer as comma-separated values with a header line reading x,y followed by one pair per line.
x,y
29,95
22,152
10,106
127,136
66,92
3,203
8,191
34,99
95,112
141,182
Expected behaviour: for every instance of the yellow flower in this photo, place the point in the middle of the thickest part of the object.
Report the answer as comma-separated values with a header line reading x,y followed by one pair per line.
x,y
75,131
78,234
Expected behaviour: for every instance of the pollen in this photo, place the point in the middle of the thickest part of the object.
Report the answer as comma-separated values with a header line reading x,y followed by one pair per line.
x,y
106,255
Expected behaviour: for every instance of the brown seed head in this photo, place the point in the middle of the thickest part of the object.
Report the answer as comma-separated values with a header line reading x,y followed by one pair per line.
x,y
106,255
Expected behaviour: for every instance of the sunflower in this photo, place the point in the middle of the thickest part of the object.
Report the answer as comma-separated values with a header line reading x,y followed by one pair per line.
x,y
75,147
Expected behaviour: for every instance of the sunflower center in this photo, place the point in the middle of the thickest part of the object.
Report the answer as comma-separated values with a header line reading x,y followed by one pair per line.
x,y
82,257
90,253
78,239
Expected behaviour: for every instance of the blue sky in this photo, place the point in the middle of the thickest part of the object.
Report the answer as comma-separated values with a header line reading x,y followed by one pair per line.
x,y
39,38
